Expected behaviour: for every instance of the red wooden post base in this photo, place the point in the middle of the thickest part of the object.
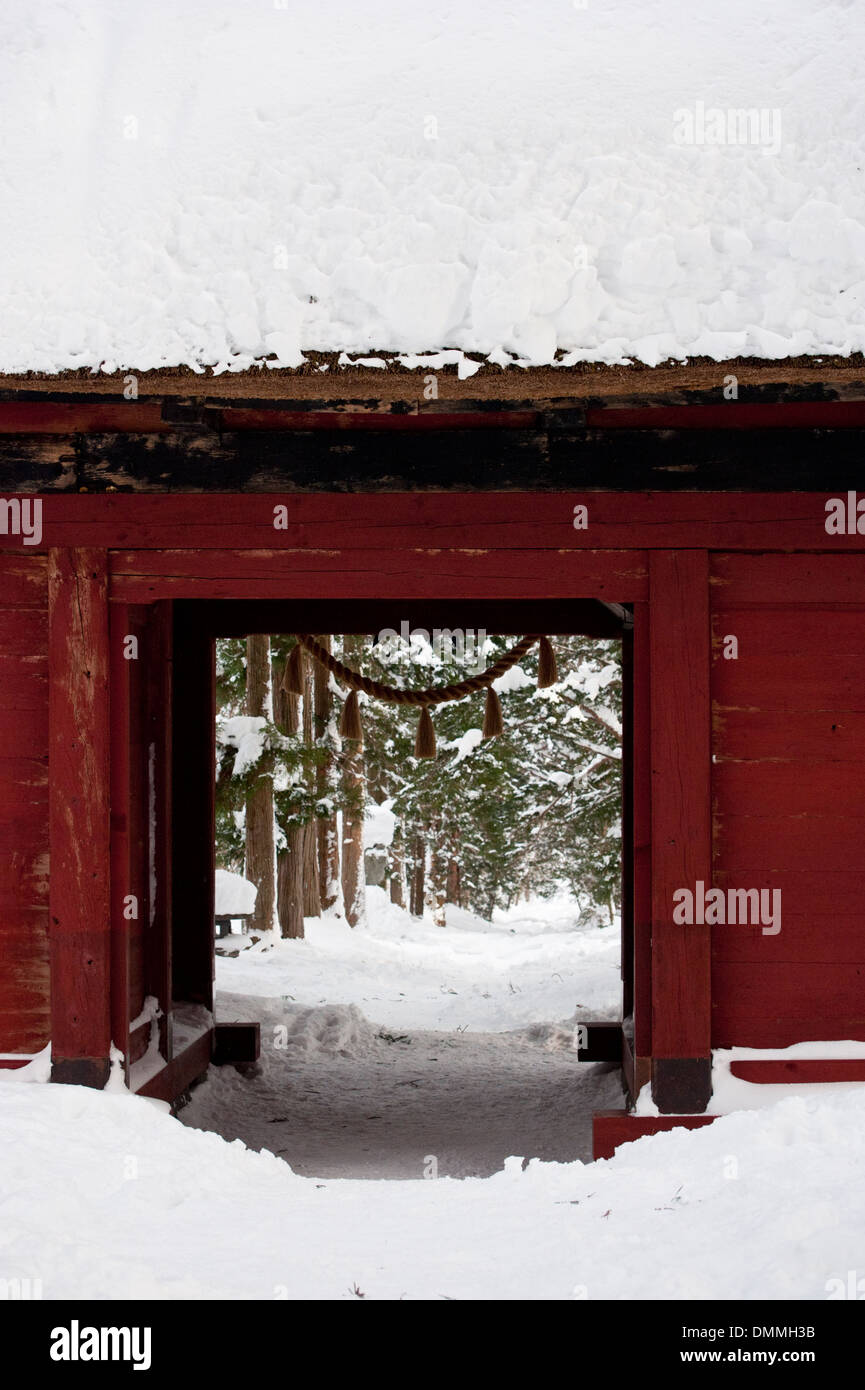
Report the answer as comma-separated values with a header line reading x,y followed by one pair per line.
x,y
681,1085
81,1071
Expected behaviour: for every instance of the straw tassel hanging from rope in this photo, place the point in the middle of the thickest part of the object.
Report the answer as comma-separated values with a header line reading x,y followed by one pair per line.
x,y
292,677
349,723
547,673
493,722
350,726
425,740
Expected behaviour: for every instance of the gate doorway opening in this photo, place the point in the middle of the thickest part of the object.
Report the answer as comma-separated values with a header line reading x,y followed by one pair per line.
x,y
346,1023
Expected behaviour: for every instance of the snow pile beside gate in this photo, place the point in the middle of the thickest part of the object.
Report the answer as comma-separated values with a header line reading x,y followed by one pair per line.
x,y
106,1196
334,1029
232,182
234,895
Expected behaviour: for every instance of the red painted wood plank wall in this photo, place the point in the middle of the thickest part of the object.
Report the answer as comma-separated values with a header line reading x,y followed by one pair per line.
x,y
788,774
24,976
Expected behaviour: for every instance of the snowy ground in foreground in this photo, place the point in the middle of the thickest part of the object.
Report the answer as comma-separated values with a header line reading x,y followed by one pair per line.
x,y
398,1040
538,963
105,1195
765,1204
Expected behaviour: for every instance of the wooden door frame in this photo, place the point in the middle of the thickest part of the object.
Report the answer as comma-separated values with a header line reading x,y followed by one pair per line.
x,y
197,625
669,588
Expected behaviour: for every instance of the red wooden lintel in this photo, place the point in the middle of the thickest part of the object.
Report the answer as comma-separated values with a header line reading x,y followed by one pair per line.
x,y
370,524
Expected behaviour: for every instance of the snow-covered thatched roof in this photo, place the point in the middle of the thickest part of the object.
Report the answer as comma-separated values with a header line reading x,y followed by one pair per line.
x,y
218,182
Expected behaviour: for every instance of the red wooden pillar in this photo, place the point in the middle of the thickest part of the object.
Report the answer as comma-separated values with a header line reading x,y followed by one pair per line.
x,y
121,854
157,681
681,827
638,1048
79,801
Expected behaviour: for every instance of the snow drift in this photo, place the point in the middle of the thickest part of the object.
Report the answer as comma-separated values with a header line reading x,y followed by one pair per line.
x,y
758,1205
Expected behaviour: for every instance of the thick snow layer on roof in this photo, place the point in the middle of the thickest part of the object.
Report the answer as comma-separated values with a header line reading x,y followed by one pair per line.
x,y
221,181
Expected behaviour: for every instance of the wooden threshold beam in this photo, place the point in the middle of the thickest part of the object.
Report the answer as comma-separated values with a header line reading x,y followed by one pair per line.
x,y
612,1128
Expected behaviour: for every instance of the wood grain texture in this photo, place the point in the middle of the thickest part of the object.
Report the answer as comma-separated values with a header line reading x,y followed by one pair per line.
x,y
143,576
727,521
756,735
772,580
788,773
806,788
784,1002
79,807
24,978
821,917
24,580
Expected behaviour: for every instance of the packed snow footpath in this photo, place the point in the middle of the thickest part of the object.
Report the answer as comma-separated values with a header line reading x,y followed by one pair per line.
x,y
105,1195
399,1045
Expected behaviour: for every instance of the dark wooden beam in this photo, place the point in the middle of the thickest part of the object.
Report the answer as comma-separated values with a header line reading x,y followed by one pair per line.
x,y
603,1043
236,1043
233,618
480,459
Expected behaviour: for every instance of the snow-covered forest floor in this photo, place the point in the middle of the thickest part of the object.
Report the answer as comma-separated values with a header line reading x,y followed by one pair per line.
x,y
390,1044
533,964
